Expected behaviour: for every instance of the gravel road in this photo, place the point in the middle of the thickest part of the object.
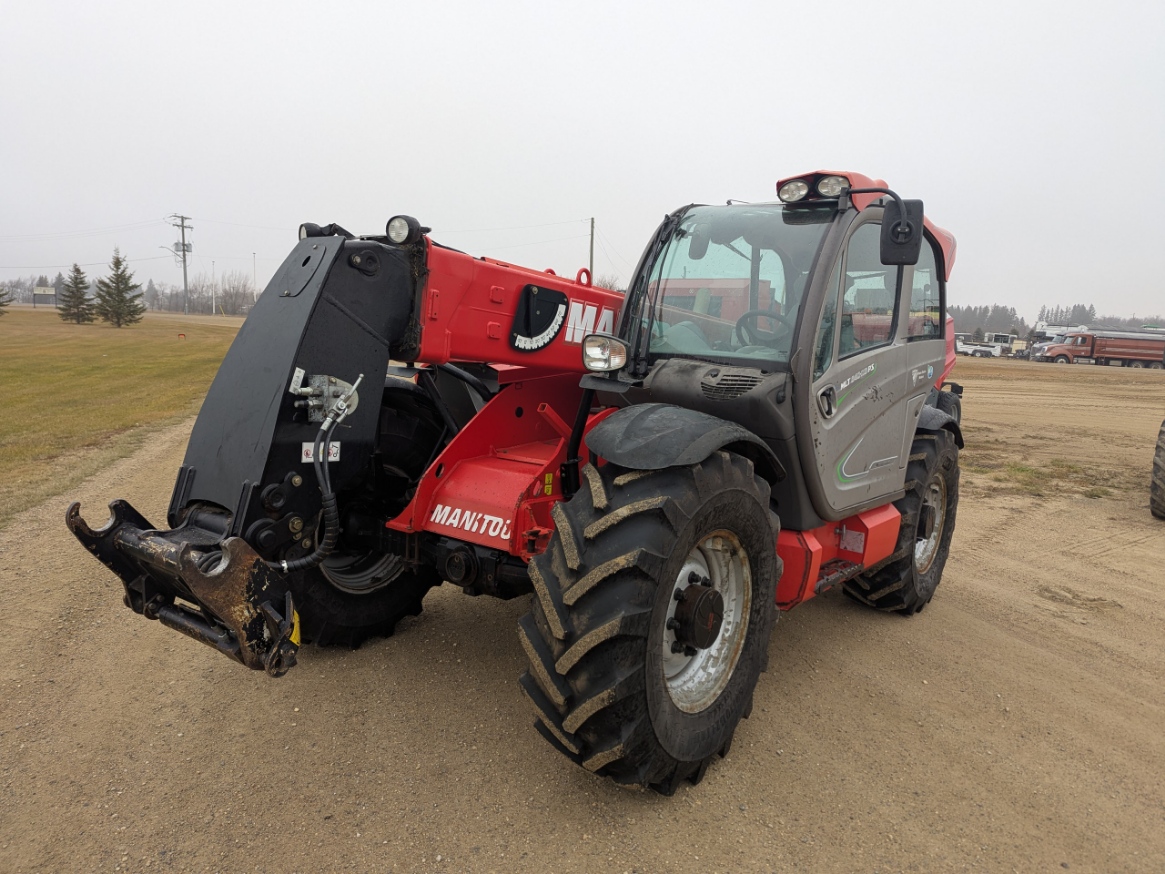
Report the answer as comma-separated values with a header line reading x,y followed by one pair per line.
x,y
1016,724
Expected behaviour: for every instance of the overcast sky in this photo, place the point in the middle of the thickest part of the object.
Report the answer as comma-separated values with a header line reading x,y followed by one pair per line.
x,y
1035,132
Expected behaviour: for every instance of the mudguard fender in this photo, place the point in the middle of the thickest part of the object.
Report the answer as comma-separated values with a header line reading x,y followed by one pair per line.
x,y
655,436
934,419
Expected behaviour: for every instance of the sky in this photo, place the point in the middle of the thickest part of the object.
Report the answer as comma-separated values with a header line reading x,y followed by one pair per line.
x,y
1027,128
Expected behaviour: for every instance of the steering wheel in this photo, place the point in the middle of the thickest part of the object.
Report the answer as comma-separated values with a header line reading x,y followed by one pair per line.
x,y
748,330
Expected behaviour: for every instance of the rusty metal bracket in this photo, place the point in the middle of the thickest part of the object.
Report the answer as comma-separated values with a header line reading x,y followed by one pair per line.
x,y
231,592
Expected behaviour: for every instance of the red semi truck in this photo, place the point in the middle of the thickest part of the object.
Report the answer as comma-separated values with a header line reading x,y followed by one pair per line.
x,y
1125,348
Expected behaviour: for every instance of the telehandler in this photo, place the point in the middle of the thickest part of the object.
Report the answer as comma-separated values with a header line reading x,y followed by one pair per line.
x,y
758,419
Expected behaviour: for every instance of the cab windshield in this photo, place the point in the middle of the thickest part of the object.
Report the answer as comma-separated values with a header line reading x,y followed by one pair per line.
x,y
728,283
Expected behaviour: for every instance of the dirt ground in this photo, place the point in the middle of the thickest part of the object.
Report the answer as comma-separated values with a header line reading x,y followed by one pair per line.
x,y
1016,725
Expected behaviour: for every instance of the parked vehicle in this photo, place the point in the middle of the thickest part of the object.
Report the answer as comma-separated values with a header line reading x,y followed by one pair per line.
x,y
1123,348
1157,479
979,350
1006,342
1043,332
756,422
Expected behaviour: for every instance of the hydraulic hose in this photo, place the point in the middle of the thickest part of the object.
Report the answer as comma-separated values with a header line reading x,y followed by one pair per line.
x,y
329,531
330,526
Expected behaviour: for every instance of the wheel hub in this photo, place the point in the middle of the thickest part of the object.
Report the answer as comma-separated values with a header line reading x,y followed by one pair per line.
x,y
698,617
707,621
931,522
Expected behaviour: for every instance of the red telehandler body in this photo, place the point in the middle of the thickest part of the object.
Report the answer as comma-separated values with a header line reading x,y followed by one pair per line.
x,y
759,418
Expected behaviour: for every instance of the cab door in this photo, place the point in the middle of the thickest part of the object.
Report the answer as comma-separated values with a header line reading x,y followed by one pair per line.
x,y
869,377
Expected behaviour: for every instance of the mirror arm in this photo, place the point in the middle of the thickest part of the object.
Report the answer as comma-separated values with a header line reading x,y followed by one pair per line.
x,y
901,230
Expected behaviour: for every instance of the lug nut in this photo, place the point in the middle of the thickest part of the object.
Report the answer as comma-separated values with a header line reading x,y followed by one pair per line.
x,y
673,624
679,594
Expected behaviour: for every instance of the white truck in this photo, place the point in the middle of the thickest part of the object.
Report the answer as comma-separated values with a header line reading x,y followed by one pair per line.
x,y
965,346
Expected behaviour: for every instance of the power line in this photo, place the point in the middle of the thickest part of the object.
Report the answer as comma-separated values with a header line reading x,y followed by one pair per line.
x,y
603,236
610,260
516,227
285,229
71,263
540,242
86,233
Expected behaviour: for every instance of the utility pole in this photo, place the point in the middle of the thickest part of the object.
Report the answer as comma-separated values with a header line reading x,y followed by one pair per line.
x,y
212,282
181,223
592,262
254,278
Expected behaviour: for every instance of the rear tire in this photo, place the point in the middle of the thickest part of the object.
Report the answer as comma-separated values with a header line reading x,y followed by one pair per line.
x,y
1138,364
607,687
907,581
951,404
1157,482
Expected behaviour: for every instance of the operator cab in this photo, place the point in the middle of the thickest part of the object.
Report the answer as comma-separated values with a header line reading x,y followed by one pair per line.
x,y
816,322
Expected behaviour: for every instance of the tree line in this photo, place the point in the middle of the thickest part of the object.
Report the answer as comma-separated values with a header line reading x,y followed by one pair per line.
x,y
118,300
997,318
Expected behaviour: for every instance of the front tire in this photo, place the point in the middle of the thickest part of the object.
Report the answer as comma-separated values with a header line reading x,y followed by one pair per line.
x,y
907,581
359,592
625,679
331,616
1061,359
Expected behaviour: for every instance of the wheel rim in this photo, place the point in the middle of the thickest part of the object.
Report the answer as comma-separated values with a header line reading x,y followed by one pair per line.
x,y
359,573
694,682
931,521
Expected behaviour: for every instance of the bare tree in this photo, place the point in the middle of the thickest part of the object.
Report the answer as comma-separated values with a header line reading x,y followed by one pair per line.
x,y
236,293
608,280
200,293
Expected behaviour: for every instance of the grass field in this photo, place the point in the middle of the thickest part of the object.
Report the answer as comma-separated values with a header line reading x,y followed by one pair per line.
x,y
78,396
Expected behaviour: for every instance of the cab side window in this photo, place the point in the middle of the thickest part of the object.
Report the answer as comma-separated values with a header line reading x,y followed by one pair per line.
x,y
869,295
823,344
926,313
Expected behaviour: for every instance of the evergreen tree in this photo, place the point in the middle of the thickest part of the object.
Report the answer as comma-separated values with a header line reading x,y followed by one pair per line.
x,y
73,303
5,299
116,301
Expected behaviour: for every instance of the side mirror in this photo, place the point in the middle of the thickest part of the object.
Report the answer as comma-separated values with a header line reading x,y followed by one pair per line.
x,y
901,235
698,245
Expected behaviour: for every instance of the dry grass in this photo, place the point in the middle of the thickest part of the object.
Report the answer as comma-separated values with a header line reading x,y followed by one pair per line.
x,y
79,396
1040,479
